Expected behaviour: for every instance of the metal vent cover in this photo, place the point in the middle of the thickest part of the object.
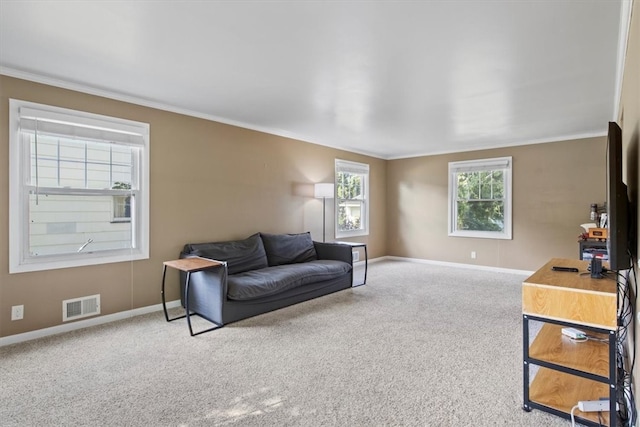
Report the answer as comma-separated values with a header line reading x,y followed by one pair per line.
x,y
78,308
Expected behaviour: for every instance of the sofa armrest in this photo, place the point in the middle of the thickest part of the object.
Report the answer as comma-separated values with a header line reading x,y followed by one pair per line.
x,y
334,251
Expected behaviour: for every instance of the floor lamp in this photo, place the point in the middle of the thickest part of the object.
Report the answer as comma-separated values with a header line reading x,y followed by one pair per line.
x,y
323,191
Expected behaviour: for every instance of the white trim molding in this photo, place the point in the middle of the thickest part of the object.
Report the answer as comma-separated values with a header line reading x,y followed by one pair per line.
x,y
499,164
82,324
460,265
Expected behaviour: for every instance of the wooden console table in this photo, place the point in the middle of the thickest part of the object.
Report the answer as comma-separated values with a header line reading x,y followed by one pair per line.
x,y
570,371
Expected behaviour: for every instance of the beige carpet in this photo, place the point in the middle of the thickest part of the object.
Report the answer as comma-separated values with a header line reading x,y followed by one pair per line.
x,y
419,345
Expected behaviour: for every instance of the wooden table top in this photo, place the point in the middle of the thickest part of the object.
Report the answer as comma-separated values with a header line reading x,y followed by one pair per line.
x,y
190,265
580,281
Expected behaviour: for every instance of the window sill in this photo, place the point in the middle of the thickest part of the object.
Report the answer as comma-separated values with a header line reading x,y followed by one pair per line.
x,y
54,263
354,233
481,235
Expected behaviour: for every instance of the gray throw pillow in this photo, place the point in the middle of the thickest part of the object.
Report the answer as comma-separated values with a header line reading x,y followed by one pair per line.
x,y
240,255
288,248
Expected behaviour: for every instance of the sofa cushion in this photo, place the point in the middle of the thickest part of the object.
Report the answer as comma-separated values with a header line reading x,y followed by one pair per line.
x,y
272,280
288,248
240,255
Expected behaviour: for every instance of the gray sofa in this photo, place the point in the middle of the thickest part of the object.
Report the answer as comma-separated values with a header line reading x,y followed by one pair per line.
x,y
264,272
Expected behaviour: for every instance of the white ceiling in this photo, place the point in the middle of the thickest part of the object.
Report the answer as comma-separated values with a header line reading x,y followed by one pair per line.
x,y
386,78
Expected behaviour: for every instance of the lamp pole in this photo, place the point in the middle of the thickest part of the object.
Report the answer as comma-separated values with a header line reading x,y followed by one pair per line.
x,y
324,191
324,210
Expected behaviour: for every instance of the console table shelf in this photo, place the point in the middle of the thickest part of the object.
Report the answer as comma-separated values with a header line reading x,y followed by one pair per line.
x,y
589,356
560,392
569,371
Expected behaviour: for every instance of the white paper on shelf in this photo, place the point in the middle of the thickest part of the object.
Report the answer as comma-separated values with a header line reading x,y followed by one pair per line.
x,y
588,225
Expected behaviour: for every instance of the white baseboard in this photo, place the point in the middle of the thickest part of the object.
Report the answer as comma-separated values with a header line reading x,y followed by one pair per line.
x,y
458,265
81,324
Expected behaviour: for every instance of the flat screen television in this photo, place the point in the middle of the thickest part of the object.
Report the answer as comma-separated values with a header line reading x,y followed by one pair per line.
x,y
618,219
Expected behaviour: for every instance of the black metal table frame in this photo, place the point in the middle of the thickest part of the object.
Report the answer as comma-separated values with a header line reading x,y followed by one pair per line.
x,y
611,380
366,257
188,313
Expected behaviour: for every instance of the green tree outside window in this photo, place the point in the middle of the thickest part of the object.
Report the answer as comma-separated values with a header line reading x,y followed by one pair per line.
x,y
352,194
480,202
350,198
480,198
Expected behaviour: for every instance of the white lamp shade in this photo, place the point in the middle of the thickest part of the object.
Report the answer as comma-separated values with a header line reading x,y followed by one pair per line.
x,y
323,190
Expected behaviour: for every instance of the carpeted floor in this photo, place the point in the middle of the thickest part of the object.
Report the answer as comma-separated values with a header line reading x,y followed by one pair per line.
x,y
419,345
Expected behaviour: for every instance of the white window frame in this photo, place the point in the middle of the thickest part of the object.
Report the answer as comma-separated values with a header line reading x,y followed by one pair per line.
x,y
19,185
500,163
355,168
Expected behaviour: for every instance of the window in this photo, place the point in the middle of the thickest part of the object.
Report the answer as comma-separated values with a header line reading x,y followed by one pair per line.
x,y
79,186
352,199
121,208
480,198
121,204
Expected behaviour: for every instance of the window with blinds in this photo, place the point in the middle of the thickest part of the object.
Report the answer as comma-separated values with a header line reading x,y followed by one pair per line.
x,y
79,188
480,198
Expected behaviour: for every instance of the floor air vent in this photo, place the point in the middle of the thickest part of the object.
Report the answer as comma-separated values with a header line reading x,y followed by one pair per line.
x,y
78,308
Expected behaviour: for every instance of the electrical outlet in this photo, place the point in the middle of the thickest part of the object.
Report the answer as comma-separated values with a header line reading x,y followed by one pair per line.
x,y
473,254
17,312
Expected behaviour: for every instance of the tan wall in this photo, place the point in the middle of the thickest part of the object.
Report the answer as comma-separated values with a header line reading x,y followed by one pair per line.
x,y
209,181
630,123
552,192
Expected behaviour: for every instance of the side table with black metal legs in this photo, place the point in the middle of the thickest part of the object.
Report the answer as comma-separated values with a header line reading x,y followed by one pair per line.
x,y
366,257
187,265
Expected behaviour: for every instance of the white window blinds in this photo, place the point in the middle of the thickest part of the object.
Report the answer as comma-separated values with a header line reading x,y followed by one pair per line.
x,y
81,127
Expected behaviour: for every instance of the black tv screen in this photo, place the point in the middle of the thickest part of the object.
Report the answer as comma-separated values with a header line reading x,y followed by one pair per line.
x,y
618,246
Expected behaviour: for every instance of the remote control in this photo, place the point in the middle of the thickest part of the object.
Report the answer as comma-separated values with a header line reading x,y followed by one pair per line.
x,y
569,269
